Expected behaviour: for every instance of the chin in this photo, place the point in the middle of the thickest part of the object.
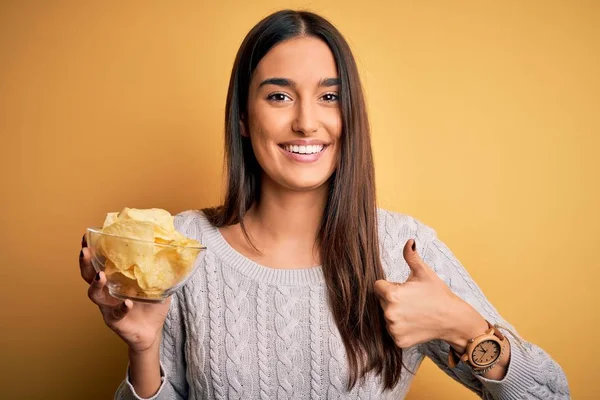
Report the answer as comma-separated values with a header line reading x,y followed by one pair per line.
x,y
304,184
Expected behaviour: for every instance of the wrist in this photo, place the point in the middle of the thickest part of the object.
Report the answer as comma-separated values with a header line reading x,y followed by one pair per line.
x,y
465,324
144,370
150,353
146,350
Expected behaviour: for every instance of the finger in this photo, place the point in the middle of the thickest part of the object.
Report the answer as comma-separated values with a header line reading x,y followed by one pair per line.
x,y
84,241
417,266
385,290
119,311
85,265
96,292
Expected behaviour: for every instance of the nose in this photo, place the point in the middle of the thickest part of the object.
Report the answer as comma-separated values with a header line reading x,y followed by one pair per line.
x,y
306,121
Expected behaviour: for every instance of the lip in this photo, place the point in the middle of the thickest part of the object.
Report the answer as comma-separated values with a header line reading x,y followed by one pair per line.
x,y
305,142
304,158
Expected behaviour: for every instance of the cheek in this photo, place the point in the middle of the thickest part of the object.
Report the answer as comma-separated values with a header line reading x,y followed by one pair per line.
x,y
266,131
268,123
333,124
260,144
331,119
264,138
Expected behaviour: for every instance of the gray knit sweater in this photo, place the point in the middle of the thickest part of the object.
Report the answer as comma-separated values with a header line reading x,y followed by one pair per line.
x,y
239,330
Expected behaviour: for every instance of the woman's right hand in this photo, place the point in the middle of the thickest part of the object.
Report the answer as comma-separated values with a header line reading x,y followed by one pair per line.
x,y
139,325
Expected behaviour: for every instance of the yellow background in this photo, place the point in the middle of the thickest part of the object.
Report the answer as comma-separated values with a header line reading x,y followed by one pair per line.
x,y
485,126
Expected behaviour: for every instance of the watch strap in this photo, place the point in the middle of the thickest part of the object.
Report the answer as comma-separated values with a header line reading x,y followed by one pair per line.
x,y
453,358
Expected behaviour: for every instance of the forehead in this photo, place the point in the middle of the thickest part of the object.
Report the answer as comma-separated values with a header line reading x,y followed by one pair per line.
x,y
302,59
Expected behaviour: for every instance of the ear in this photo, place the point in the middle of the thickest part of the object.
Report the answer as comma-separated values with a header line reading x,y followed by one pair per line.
x,y
243,130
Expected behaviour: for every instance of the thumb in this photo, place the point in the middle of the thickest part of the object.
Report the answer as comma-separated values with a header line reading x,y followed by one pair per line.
x,y
417,266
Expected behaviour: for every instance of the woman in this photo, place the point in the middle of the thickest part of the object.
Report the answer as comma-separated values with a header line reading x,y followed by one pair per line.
x,y
298,294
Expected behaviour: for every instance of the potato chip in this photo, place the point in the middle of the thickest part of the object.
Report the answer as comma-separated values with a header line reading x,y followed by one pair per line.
x,y
160,276
137,256
163,236
187,252
111,218
127,286
161,218
137,248
110,269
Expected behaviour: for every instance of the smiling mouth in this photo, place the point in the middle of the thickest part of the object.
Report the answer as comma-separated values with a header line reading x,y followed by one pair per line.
x,y
311,149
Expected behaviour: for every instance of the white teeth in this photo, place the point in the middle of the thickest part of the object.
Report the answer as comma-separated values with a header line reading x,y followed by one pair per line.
x,y
304,149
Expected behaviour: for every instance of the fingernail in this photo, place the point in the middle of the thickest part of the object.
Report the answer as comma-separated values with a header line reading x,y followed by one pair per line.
x,y
97,276
414,246
81,254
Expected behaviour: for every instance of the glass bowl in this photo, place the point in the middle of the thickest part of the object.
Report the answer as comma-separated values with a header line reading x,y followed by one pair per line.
x,y
142,270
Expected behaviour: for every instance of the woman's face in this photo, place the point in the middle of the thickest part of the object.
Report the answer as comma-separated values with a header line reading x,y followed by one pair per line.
x,y
294,117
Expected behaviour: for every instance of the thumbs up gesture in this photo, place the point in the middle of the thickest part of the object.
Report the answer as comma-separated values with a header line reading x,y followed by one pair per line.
x,y
423,308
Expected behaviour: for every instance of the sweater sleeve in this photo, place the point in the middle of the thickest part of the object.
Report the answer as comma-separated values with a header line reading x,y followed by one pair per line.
x,y
172,362
531,373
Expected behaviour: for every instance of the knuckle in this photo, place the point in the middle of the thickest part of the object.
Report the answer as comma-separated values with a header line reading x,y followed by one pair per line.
x,y
401,342
395,330
389,314
390,296
93,293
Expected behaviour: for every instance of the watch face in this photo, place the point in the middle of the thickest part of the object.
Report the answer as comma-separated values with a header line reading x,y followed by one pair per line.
x,y
485,353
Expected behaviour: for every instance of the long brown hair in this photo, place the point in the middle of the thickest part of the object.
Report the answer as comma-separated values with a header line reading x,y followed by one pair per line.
x,y
347,238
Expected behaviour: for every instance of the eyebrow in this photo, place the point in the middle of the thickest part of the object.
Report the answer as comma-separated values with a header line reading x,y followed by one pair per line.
x,y
330,82
327,82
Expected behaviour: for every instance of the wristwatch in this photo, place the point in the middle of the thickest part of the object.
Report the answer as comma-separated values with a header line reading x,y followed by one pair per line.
x,y
482,352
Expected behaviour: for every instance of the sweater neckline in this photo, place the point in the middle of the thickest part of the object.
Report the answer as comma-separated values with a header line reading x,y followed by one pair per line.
x,y
217,244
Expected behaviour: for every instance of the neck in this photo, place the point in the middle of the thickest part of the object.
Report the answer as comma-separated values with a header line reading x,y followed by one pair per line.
x,y
286,217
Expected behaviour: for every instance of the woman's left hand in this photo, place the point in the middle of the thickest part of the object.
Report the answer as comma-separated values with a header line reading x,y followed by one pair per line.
x,y
424,308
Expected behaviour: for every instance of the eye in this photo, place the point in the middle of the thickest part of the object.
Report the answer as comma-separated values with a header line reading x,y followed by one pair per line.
x,y
279,97
330,97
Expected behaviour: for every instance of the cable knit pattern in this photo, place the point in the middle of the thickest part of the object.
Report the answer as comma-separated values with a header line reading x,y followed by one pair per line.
x,y
316,352
194,307
240,330
287,343
215,308
168,343
236,339
264,335
337,378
